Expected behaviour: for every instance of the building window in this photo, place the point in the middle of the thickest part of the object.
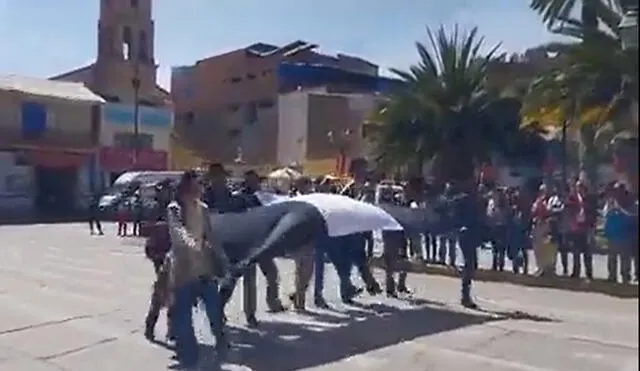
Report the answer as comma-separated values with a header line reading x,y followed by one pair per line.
x,y
235,80
134,3
251,76
234,133
34,120
266,103
142,47
233,107
189,118
251,113
127,42
127,140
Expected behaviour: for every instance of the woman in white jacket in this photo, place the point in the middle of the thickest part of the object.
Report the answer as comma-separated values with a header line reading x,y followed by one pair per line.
x,y
193,271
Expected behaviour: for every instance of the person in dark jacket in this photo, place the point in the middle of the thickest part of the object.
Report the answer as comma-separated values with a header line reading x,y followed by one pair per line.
x,y
217,195
244,199
94,214
468,222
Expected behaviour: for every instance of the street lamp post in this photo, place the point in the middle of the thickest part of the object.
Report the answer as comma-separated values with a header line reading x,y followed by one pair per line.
x,y
135,82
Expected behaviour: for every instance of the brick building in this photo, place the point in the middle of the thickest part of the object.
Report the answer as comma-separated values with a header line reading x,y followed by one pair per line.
x,y
227,105
125,60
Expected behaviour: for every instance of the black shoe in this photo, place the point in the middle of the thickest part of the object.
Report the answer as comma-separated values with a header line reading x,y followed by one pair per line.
x,y
171,338
277,308
148,333
320,303
392,294
252,321
374,289
404,290
352,293
222,344
468,303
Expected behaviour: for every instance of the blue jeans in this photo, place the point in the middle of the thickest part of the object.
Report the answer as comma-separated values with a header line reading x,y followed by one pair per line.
x,y
355,247
335,249
182,320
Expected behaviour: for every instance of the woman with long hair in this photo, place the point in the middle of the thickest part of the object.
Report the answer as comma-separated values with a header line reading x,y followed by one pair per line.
x,y
193,273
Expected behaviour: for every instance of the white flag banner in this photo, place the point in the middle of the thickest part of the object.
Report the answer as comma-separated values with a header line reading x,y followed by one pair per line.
x,y
342,215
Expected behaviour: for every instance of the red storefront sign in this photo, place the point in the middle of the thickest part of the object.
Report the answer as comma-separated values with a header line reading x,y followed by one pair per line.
x,y
122,159
53,159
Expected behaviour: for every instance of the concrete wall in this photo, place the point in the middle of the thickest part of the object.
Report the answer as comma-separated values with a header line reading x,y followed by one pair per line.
x,y
16,185
18,188
69,124
293,110
305,117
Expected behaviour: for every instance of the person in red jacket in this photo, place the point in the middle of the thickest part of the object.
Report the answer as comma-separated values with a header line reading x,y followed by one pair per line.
x,y
579,226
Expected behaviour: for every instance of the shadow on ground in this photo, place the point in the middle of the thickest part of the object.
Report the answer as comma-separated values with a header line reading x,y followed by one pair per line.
x,y
331,336
600,286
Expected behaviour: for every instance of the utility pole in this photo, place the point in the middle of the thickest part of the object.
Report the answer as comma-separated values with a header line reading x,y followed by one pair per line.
x,y
135,82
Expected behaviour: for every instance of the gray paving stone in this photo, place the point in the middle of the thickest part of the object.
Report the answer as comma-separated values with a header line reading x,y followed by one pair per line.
x,y
70,301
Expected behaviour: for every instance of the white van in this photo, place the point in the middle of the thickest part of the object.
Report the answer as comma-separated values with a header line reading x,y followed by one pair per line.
x,y
129,182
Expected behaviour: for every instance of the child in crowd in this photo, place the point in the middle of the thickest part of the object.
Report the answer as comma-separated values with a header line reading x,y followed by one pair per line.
x,y
122,214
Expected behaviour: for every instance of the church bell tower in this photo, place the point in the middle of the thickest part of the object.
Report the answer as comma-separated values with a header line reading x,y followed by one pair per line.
x,y
126,51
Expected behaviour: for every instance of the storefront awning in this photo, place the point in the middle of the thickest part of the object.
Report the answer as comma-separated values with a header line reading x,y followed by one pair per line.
x,y
55,159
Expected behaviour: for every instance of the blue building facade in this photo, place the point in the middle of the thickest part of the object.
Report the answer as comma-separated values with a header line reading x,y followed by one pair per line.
x,y
306,75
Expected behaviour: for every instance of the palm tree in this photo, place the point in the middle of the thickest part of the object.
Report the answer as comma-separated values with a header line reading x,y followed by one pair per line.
x,y
559,17
591,74
445,114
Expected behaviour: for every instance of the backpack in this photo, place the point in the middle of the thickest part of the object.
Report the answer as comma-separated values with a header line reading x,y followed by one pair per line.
x,y
158,241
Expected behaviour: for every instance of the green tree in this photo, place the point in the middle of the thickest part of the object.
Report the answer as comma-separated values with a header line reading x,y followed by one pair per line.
x,y
589,76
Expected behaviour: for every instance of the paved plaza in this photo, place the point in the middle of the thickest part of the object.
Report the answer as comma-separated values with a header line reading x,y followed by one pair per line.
x,y
71,301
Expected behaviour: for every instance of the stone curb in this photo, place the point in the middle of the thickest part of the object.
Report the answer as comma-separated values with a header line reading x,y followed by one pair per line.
x,y
562,283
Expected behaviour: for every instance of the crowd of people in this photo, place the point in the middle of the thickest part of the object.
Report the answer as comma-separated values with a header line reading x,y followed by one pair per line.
x,y
189,264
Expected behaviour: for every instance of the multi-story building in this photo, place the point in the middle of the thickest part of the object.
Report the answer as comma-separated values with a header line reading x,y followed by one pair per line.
x,y
227,105
124,73
321,131
48,134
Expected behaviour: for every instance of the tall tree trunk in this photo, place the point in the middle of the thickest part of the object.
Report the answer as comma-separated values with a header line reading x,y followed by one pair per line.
x,y
589,159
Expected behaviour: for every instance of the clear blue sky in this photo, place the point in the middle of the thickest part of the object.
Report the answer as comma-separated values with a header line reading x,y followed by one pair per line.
x,y
46,37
